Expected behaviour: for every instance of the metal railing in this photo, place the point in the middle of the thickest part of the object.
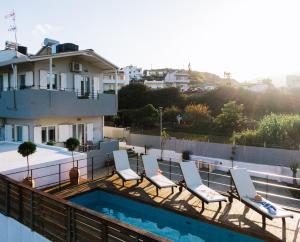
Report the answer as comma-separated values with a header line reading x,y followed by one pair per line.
x,y
277,188
79,93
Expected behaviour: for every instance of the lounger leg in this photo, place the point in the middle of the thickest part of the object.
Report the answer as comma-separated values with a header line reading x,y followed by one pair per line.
x,y
172,190
203,206
263,222
220,204
156,191
123,183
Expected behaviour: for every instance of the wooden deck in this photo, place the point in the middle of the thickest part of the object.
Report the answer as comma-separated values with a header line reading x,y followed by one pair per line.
x,y
235,216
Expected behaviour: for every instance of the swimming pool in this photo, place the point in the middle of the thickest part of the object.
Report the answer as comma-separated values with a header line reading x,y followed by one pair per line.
x,y
159,221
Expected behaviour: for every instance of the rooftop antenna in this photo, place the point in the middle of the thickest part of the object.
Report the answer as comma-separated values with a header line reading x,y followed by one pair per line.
x,y
13,27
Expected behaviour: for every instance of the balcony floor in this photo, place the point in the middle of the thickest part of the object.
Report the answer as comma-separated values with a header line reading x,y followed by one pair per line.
x,y
235,216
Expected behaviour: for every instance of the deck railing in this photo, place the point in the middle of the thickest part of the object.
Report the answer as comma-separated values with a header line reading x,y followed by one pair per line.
x,y
218,178
60,220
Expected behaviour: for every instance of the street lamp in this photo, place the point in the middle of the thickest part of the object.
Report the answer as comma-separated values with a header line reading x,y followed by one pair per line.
x,y
161,128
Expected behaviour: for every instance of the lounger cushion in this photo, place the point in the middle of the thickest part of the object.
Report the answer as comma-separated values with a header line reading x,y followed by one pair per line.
x,y
128,175
150,165
191,174
280,212
207,193
243,182
121,160
162,181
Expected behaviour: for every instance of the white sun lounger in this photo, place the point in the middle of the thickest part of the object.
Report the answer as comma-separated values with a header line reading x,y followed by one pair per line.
x,y
123,167
246,193
194,184
152,173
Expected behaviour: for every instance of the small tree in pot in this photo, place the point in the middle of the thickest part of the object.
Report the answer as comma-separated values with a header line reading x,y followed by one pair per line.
x,y
26,149
72,144
294,168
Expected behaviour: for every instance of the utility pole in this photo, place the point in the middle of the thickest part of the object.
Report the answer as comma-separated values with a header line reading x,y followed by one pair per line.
x,y
161,128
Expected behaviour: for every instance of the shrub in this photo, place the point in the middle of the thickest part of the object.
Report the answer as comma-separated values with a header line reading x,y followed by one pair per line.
x,y
197,114
170,114
231,118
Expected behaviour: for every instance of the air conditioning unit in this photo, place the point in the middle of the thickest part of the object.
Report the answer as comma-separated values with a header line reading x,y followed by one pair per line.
x,y
76,67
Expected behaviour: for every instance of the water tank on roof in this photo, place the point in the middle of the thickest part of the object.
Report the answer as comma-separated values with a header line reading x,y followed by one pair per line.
x,y
22,49
66,47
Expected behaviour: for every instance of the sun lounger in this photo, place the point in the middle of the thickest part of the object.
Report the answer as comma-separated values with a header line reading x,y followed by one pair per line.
x,y
194,184
122,167
153,174
246,192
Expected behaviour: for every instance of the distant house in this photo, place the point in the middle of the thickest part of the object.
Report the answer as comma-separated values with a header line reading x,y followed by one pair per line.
x,y
293,81
155,84
160,78
259,86
132,73
110,78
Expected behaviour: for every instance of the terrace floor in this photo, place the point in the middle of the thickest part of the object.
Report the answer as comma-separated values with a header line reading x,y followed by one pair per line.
x,y
235,216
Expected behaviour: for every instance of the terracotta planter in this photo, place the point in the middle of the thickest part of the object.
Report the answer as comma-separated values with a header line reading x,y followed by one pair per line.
x,y
28,181
74,176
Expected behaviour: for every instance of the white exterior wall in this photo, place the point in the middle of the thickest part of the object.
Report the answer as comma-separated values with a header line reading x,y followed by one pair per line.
x,y
13,231
34,127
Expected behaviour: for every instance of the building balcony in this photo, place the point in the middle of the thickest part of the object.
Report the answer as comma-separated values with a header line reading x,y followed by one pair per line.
x,y
42,103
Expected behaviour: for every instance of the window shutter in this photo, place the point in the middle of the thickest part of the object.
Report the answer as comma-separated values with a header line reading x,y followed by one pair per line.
x,y
37,135
43,79
63,81
77,83
64,132
29,79
8,132
25,134
89,132
96,84
5,81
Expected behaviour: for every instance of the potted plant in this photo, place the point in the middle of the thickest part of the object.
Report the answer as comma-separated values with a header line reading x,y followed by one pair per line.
x,y
72,144
26,149
164,136
294,168
186,155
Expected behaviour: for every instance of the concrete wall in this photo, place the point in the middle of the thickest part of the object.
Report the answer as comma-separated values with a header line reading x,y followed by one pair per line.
x,y
249,154
13,231
36,104
100,155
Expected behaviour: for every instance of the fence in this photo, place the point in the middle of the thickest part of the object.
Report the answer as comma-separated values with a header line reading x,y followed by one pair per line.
x,y
217,177
60,220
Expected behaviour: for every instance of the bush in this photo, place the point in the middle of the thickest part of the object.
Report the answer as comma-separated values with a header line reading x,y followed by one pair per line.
x,y
197,114
248,137
170,114
231,118
146,117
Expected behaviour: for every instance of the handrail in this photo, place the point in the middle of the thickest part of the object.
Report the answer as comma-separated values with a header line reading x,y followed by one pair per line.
x,y
42,208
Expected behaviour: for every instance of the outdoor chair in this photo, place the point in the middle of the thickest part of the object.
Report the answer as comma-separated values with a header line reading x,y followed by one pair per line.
x,y
122,167
246,193
194,184
153,174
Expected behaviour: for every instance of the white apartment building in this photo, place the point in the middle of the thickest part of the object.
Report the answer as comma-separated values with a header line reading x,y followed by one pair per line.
x,y
54,95
293,81
133,73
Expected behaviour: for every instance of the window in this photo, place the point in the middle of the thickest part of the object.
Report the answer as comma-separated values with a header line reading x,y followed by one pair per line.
x,y
19,133
51,133
13,133
44,134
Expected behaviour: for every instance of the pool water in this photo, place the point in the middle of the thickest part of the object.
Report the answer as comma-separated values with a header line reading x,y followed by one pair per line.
x,y
159,221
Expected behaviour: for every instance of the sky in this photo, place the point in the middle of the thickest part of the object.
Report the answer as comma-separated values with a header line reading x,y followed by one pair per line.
x,y
250,38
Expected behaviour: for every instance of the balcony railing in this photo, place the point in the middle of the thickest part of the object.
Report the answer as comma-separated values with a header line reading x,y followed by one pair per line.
x,y
81,94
